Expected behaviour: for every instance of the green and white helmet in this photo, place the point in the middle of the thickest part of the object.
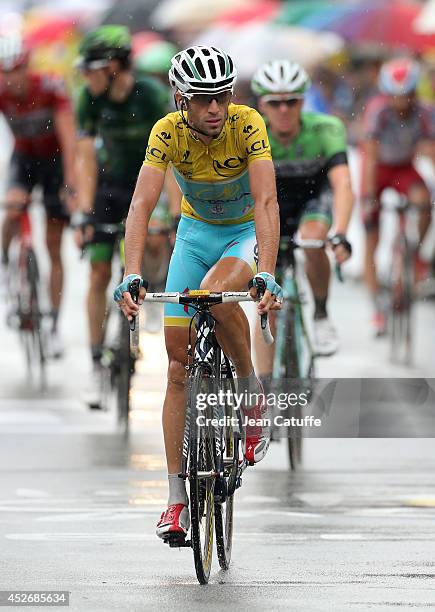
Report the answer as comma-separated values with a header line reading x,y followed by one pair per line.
x,y
280,76
202,70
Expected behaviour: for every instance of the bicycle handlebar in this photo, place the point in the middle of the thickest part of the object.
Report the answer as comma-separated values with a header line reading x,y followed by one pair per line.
x,y
212,298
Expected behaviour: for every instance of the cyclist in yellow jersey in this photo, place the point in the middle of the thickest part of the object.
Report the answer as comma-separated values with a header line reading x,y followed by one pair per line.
x,y
229,229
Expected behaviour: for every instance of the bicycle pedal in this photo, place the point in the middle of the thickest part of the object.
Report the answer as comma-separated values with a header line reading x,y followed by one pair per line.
x,y
177,540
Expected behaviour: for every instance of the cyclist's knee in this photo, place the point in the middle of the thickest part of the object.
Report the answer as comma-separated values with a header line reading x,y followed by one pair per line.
x,y
419,196
15,200
176,372
101,273
313,230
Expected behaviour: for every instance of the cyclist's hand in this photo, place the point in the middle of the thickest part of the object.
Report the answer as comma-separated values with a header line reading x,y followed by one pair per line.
x,y
83,236
341,247
272,298
122,296
83,230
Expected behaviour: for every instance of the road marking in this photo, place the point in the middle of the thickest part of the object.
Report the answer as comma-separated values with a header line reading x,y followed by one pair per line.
x,y
32,493
260,537
425,502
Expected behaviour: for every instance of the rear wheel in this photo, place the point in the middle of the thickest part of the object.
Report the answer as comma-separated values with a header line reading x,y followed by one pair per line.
x,y
225,487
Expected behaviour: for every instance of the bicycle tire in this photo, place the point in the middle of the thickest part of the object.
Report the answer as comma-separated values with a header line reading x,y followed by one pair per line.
x,y
201,459
292,371
37,335
401,291
224,508
125,373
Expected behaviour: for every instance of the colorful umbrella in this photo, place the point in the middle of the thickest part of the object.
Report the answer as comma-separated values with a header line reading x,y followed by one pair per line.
x,y
259,10
267,41
386,22
192,14
50,30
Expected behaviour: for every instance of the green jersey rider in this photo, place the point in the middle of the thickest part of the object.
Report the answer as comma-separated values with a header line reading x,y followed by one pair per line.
x,y
312,176
116,110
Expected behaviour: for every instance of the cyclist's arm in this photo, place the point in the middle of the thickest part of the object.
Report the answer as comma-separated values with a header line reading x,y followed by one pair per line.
x,y
86,156
65,130
87,173
148,188
339,178
266,212
370,160
427,149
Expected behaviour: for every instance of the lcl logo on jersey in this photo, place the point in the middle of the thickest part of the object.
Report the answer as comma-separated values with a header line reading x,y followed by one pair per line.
x,y
228,166
155,153
258,145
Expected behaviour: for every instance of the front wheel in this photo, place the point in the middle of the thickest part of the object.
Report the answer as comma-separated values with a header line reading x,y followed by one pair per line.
x,y
126,365
202,472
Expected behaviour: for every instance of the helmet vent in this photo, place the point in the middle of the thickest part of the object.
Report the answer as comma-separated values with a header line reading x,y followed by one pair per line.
x,y
200,67
187,69
212,68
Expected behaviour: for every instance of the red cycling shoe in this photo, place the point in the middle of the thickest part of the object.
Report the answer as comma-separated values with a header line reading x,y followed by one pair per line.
x,y
173,521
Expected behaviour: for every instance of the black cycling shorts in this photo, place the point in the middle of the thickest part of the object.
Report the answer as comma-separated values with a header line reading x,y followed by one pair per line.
x,y
27,172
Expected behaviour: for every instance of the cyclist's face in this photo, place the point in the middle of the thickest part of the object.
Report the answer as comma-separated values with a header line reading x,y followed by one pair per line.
x,y
282,111
97,81
207,112
402,104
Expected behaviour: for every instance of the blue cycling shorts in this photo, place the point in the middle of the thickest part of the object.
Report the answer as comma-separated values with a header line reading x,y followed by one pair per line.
x,y
198,247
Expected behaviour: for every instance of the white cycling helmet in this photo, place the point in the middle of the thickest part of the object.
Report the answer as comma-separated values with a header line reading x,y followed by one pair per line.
x,y
12,52
202,70
399,77
280,76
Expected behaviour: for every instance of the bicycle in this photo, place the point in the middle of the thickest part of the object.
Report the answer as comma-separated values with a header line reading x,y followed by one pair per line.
x,y
294,356
212,457
401,286
24,309
118,360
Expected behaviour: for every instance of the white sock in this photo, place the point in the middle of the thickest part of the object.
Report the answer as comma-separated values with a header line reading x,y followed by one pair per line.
x,y
177,490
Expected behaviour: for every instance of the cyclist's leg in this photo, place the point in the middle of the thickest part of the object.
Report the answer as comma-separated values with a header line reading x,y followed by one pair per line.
x,y
187,268
111,207
100,274
50,176
20,185
315,222
410,183
314,225
419,196
237,265
371,217
156,252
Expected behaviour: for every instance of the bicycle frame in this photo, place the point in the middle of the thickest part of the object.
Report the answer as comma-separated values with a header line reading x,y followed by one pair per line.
x,y
292,302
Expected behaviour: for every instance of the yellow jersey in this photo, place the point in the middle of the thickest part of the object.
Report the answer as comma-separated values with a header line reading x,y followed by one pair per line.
x,y
213,178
